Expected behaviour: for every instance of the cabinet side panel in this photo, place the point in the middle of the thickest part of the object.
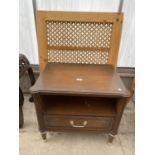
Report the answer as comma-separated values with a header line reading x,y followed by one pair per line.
x,y
39,111
120,108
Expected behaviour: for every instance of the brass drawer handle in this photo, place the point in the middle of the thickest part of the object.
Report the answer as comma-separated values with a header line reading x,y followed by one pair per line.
x,y
78,126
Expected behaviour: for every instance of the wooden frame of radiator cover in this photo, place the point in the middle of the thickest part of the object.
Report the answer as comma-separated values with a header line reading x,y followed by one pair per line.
x,y
42,16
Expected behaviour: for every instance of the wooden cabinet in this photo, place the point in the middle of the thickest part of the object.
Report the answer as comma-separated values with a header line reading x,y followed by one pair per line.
x,y
75,97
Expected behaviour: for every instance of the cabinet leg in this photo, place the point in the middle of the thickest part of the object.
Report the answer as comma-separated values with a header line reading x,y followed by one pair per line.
x,y
31,99
21,102
21,117
43,135
111,138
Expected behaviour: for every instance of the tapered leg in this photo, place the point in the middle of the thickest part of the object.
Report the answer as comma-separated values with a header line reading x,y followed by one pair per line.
x,y
21,117
21,102
31,99
43,135
111,138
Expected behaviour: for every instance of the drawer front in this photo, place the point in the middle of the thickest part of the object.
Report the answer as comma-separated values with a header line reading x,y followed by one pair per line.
x,y
77,122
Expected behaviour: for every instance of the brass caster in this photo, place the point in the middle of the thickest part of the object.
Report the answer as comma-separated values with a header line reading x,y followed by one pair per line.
x,y
111,138
44,135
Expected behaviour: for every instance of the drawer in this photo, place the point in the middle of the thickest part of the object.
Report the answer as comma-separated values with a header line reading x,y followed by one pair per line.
x,y
78,122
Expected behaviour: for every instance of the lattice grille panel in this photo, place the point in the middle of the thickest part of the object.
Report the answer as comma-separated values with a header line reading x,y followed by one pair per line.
x,y
73,37
79,34
83,57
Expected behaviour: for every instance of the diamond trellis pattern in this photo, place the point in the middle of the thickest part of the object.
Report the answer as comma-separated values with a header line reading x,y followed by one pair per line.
x,y
78,35
83,57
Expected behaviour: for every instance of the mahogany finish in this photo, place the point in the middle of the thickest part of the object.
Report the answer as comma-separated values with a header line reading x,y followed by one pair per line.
x,y
80,79
79,97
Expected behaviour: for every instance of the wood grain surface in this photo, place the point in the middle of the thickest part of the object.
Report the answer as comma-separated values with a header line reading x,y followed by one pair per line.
x,y
80,79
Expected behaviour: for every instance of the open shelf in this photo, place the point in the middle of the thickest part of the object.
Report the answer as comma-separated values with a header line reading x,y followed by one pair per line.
x,y
83,106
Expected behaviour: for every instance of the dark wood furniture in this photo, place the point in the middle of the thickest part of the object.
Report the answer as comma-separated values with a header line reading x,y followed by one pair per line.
x,y
24,66
79,97
71,95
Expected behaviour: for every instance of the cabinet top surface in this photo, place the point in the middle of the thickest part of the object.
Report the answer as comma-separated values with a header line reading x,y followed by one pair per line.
x,y
80,79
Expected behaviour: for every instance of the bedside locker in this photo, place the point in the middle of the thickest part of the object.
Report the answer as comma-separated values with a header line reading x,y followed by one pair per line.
x,y
79,97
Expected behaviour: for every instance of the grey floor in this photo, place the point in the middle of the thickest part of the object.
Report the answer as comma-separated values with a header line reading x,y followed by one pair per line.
x,y
30,141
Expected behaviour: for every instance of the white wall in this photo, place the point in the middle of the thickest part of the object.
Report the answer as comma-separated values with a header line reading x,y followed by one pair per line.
x,y
127,47
28,44
27,31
